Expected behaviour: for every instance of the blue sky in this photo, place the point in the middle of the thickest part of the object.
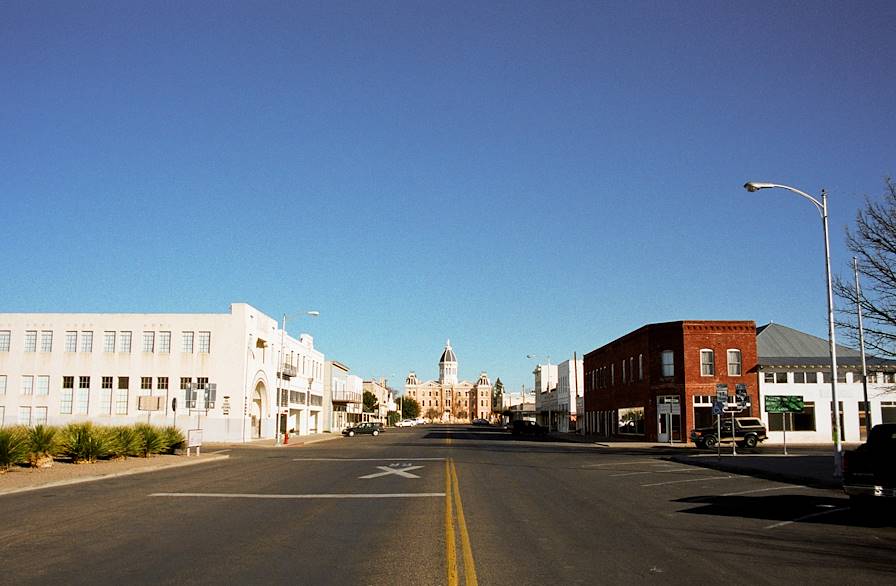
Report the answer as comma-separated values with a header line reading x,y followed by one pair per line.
x,y
520,177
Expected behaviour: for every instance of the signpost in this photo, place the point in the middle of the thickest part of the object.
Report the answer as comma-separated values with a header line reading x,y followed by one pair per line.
x,y
784,404
719,408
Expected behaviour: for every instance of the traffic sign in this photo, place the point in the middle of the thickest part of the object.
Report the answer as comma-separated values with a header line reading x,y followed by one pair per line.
x,y
784,404
722,392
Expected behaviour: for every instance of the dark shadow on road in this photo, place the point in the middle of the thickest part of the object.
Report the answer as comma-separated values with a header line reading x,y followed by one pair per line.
x,y
794,508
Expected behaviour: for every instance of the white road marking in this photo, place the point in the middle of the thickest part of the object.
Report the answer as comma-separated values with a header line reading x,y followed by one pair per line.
x,y
764,490
690,480
809,516
676,470
619,463
219,495
398,471
368,459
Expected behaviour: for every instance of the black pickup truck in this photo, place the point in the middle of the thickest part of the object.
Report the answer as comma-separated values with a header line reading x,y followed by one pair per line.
x,y
869,471
748,432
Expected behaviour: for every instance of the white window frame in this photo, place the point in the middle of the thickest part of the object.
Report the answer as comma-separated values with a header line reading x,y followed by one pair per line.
x,y
31,341
667,367
124,342
71,341
2,387
87,341
25,415
164,342
46,340
43,385
149,341
204,343
27,385
739,363
711,364
39,415
186,342
5,338
108,341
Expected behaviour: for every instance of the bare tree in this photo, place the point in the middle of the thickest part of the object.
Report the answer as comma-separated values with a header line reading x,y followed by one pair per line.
x,y
873,242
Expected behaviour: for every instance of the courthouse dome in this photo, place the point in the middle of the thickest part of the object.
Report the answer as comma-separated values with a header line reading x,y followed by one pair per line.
x,y
448,354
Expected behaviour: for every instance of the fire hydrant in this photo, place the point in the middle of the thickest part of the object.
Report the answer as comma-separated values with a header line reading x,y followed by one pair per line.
x,y
285,438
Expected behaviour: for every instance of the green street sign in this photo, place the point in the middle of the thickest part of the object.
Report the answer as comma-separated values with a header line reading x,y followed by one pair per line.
x,y
783,404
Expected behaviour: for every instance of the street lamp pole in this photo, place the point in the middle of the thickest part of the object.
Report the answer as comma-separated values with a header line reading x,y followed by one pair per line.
x,y
822,207
277,439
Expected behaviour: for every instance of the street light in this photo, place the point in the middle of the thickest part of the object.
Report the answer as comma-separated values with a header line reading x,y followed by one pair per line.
x,y
280,374
822,207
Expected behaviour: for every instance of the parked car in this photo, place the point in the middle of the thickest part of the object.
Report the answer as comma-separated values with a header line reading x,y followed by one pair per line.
x,y
365,427
748,433
406,423
420,421
523,427
869,471
481,422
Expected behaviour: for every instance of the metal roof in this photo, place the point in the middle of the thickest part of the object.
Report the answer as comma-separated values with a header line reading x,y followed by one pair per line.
x,y
778,345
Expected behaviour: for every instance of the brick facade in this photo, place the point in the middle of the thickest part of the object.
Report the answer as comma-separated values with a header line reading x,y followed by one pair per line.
x,y
627,387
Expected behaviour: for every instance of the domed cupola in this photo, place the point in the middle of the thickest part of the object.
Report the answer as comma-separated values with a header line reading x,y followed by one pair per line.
x,y
448,365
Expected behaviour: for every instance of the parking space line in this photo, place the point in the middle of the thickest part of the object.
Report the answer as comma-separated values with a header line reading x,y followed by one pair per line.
x,y
810,516
224,495
368,459
690,480
790,486
676,470
619,463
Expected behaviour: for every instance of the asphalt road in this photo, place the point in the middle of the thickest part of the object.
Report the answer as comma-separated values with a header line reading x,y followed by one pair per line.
x,y
441,505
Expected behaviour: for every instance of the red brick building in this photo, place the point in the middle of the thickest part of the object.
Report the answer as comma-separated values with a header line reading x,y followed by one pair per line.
x,y
658,382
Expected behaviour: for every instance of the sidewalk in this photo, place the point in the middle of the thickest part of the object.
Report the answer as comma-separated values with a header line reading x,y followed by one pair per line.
x,y
293,442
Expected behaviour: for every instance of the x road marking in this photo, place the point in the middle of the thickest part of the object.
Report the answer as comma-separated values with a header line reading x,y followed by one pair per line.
x,y
402,470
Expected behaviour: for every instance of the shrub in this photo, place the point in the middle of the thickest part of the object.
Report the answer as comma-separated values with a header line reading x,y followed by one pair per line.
x,y
124,441
151,439
13,447
41,445
84,442
174,439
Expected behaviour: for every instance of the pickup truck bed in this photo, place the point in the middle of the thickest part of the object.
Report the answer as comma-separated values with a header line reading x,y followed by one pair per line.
x,y
870,469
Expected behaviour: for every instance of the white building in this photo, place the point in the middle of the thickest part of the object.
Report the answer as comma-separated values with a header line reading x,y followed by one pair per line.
x,y
57,368
345,392
560,388
793,363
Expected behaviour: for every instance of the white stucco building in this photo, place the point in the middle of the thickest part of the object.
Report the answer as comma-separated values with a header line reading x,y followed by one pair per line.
x,y
57,368
792,363
345,393
558,388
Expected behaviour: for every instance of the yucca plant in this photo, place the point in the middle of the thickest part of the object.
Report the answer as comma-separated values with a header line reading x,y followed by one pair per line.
x,y
41,446
174,439
124,441
150,438
84,442
13,447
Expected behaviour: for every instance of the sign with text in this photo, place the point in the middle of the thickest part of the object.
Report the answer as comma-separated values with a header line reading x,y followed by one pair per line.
x,y
784,404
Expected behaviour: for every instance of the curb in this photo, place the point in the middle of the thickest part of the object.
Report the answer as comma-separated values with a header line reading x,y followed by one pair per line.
x,y
210,458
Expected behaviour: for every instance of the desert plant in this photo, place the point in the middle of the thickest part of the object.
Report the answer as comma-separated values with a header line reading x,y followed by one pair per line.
x,y
124,441
151,439
13,447
84,442
42,445
174,439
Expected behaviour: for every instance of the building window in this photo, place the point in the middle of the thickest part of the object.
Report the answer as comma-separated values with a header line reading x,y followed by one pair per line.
x,y
121,398
631,421
146,383
4,340
106,396
43,386
27,385
800,377
888,411
108,341
124,342
668,359
205,342
46,341
165,342
68,390
31,341
86,341
640,367
734,363
707,363
804,421
40,416
2,388
71,341
187,342
185,383
149,341
83,395
623,371
162,383
25,416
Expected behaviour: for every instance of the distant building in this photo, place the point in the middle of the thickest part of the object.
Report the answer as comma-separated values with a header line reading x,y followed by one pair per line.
x,y
345,394
122,368
557,388
658,382
448,399
793,363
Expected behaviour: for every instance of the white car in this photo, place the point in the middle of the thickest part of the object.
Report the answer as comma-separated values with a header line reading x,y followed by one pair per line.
x,y
406,423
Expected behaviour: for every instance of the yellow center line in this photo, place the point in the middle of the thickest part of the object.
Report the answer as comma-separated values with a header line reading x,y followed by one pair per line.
x,y
450,556
469,564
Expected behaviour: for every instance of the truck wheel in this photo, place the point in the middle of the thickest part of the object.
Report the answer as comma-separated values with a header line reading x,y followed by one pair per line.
x,y
710,441
750,441
351,433
375,432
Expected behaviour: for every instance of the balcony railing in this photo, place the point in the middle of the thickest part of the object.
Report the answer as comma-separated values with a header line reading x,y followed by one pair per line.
x,y
287,370
347,397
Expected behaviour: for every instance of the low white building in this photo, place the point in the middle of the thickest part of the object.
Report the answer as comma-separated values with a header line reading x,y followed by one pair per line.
x,y
558,388
345,392
792,363
57,368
